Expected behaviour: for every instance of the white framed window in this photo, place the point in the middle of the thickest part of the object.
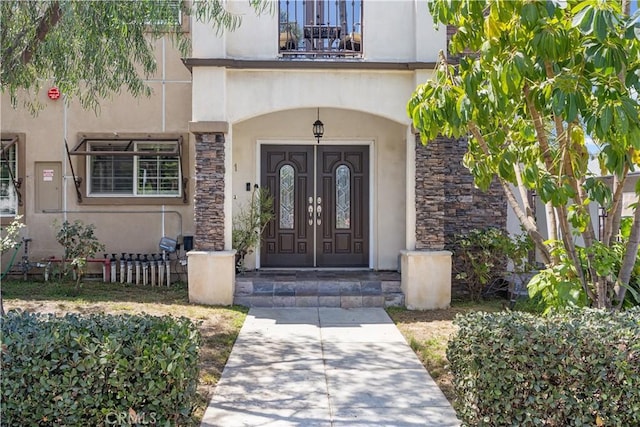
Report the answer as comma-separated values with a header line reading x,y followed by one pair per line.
x,y
10,177
130,168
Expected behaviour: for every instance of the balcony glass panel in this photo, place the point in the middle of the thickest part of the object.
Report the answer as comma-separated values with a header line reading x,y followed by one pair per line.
x,y
320,28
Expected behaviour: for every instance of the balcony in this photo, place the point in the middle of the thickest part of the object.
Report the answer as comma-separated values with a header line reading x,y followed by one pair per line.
x,y
311,29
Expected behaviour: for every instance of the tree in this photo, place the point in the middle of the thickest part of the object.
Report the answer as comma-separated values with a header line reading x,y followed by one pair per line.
x,y
92,49
541,79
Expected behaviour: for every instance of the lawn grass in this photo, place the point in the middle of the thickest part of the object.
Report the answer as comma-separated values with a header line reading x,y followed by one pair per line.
x,y
429,332
219,326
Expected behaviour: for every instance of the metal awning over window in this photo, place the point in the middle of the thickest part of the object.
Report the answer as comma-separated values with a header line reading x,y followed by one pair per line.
x,y
128,147
83,148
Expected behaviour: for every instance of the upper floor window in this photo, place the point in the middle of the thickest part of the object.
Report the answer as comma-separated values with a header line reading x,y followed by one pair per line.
x,y
320,28
11,175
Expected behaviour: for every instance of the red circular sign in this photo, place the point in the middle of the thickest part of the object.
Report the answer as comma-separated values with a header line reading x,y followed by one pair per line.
x,y
53,93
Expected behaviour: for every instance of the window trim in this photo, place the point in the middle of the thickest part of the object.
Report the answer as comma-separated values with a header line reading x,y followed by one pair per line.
x,y
17,139
81,174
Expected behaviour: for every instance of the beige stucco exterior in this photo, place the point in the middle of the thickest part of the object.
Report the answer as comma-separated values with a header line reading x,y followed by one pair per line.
x,y
211,277
394,31
363,105
386,140
122,225
426,279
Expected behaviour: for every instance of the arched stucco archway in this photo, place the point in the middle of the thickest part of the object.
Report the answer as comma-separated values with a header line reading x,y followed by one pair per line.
x,y
386,140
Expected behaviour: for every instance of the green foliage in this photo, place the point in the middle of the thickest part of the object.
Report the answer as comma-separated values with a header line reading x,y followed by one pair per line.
x,y
250,222
558,286
80,243
9,236
92,49
542,79
482,255
76,370
572,369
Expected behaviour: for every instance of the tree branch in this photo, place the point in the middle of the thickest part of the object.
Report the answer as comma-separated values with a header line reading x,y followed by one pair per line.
x,y
47,21
538,124
629,260
614,213
560,131
523,191
565,230
524,219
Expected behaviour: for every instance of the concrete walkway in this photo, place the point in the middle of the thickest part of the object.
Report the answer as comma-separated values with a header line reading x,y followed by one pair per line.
x,y
325,367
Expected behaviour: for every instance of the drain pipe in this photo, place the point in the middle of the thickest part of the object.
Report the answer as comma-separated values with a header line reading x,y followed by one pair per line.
x,y
122,268
64,164
145,270
161,269
137,262
105,271
168,268
153,269
130,269
113,261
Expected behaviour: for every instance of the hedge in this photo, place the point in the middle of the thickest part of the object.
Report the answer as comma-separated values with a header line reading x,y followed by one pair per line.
x,y
580,368
98,369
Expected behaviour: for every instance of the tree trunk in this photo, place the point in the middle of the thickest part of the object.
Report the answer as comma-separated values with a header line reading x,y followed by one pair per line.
x,y
529,226
552,227
629,260
570,247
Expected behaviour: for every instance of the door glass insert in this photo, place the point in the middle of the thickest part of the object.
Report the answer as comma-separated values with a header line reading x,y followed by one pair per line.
x,y
287,181
343,197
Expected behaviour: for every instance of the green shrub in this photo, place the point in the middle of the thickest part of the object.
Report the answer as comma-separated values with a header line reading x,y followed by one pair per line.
x,y
80,243
77,370
574,369
482,257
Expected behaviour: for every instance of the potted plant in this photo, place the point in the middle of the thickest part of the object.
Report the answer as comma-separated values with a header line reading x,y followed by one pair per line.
x,y
249,224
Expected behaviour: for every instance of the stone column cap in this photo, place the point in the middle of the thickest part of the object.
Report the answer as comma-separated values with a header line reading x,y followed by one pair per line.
x,y
208,127
232,252
425,252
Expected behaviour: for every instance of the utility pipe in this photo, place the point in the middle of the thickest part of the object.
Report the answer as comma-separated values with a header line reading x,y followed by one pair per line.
x,y
102,211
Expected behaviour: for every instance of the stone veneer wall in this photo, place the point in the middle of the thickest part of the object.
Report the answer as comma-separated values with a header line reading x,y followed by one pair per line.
x,y
447,202
209,193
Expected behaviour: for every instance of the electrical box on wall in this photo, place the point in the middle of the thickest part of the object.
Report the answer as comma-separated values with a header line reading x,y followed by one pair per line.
x,y
48,180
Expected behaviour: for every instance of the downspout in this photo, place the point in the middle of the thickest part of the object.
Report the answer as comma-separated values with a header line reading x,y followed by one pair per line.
x,y
164,113
64,156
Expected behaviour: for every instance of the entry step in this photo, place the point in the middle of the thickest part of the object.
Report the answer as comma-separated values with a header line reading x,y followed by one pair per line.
x,y
346,293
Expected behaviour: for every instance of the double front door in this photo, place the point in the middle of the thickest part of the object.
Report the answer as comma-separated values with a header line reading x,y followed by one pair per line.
x,y
321,206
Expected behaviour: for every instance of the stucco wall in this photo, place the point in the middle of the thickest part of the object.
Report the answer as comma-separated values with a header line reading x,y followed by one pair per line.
x,y
343,127
237,95
167,110
393,30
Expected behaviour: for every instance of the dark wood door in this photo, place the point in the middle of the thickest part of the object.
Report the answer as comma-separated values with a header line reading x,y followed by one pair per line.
x,y
287,171
321,201
342,238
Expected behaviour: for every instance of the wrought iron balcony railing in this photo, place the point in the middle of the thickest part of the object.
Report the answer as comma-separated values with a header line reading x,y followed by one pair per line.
x,y
320,28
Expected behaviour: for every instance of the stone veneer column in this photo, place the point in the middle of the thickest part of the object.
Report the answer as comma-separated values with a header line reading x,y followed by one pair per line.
x,y
426,272
430,195
447,201
211,268
209,192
